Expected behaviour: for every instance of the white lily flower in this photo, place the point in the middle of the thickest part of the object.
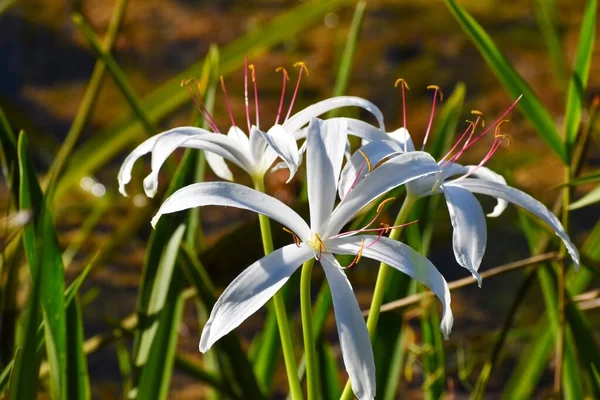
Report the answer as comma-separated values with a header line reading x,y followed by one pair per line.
x,y
457,183
261,280
255,153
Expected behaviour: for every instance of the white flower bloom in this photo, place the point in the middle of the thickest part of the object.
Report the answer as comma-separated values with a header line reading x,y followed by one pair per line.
x,y
457,183
255,153
261,280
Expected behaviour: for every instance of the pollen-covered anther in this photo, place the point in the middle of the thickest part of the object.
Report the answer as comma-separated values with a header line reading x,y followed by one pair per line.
x,y
401,81
369,165
297,240
438,89
302,66
502,136
317,245
403,85
358,255
480,115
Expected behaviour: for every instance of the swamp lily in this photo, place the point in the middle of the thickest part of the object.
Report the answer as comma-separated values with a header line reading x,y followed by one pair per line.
x,y
254,153
457,183
320,240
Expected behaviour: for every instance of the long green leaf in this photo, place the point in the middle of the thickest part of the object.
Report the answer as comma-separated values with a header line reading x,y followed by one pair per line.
x,y
45,262
169,97
532,107
78,380
545,13
587,200
581,71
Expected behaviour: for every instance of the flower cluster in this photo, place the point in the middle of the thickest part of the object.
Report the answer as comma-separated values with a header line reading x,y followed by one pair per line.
x,y
384,162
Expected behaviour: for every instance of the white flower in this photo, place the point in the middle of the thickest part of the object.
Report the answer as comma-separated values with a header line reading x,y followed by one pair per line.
x,y
261,280
254,153
457,183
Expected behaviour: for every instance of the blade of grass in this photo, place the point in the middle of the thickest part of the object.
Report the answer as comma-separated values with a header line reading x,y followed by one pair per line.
x,y
545,14
87,103
581,71
78,380
45,262
590,198
331,388
5,5
534,111
169,96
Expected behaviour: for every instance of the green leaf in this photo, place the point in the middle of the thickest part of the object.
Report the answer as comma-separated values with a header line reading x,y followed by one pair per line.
x,y
329,380
581,71
78,380
530,104
169,97
5,5
589,199
45,262
545,13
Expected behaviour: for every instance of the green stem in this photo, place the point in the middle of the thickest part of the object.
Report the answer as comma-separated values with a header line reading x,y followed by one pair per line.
x,y
382,278
307,330
280,312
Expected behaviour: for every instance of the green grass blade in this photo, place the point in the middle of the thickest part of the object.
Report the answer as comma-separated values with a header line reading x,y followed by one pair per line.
x,y
329,379
581,71
45,261
5,5
116,72
545,14
10,163
589,199
88,101
530,104
169,97
78,380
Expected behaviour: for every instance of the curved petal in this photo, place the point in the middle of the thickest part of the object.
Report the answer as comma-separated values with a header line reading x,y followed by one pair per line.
x,y
124,175
357,167
469,236
303,117
239,136
257,141
197,138
402,137
284,144
218,165
403,258
234,195
357,351
485,173
325,146
524,200
392,173
251,290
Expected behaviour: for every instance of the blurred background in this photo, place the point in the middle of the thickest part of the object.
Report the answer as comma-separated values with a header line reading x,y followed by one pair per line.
x,y
46,65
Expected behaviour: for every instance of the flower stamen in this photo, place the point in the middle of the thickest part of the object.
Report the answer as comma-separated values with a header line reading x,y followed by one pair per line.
x,y
227,103
198,100
251,67
369,165
285,79
403,85
435,94
297,240
303,67
246,93
358,255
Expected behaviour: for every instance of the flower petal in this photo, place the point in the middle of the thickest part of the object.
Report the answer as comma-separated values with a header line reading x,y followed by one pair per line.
x,y
469,235
402,137
485,173
251,290
391,174
325,146
303,117
524,200
234,195
197,138
356,127
218,165
239,136
357,351
284,144
357,167
403,258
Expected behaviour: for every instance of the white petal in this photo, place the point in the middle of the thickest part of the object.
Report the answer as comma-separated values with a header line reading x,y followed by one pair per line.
x,y
325,146
404,259
524,200
375,152
284,144
234,195
452,169
303,117
356,127
251,290
391,174
124,176
257,141
357,351
402,137
469,235
239,136
196,138
218,165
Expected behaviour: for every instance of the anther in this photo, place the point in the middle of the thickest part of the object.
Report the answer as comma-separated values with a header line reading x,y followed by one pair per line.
x,y
303,67
358,255
297,240
199,102
436,87
429,125
480,115
403,85
369,165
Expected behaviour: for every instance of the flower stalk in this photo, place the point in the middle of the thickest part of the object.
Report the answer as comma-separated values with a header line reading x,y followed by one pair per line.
x,y
283,324
307,330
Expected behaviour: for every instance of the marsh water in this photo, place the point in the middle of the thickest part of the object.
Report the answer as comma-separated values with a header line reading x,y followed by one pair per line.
x,y
45,66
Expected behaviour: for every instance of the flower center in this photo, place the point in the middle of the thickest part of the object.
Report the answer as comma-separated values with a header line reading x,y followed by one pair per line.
x,y
318,245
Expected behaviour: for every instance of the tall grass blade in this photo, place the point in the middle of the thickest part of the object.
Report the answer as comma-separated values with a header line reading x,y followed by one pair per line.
x,y
78,380
581,71
545,14
45,262
587,200
531,105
